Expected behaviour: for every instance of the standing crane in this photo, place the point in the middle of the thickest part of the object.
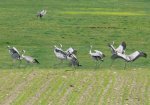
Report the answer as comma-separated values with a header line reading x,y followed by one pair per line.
x,y
97,55
59,53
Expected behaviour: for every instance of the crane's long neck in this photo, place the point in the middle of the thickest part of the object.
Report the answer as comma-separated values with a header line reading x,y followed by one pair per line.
x,y
23,54
112,48
90,50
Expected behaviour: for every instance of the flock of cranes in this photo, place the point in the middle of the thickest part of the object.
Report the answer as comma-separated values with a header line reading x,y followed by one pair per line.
x,y
71,55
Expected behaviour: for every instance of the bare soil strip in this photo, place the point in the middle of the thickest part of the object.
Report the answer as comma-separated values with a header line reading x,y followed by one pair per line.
x,y
43,88
116,97
20,87
63,100
105,92
86,93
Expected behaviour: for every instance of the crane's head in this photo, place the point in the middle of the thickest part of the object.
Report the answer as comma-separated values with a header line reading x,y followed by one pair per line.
x,y
23,51
124,45
8,46
55,46
113,42
60,45
143,54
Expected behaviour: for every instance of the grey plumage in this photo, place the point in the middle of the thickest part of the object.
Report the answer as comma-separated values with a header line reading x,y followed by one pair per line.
x,y
70,50
120,49
121,54
60,54
14,53
73,60
29,59
97,55
41,13
132,57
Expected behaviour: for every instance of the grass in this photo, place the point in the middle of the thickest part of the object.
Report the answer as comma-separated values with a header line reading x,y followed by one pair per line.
x,y
86,22
103,13
79,24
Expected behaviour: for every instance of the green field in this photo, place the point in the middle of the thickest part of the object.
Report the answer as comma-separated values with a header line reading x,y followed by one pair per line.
x,y
79,24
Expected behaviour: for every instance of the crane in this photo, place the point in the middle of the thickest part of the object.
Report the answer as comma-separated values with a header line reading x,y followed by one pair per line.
x,y
29,59
132,57
97,55
14,53
41,13
120,49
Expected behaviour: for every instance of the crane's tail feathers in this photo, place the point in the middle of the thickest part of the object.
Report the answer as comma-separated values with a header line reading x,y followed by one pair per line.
x,y
36,61
144,54
79,65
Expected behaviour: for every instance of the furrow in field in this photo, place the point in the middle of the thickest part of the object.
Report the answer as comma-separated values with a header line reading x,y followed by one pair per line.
x,y
78,81
42,89
117,93
102,98
7,84
14,93
64,99
97,89
9,81
130,95
78,84
47,97
31,89
141,90
86,95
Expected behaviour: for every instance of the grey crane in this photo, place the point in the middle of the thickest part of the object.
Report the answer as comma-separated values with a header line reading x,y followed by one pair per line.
x,y
120,49
14,53
59,53
132,57
71,50
29,59
97,55
41,13
71,56
128,58
73,60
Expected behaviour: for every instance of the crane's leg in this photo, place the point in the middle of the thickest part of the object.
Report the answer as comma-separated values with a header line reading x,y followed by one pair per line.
x,y
96,64
99,64
27,64
112,63
125,66
20,61
131,64
60,62
14,62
